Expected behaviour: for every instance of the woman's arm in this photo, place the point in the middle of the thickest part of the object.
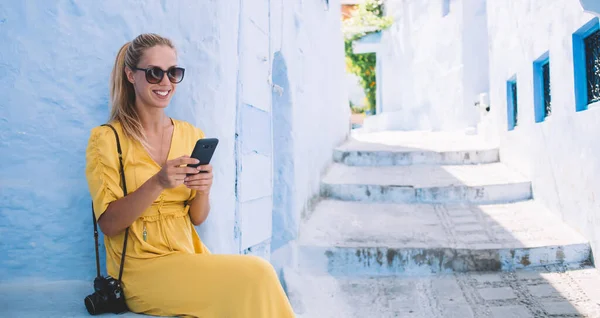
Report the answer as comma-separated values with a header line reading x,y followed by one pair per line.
x,y
199,208
123,212
201,182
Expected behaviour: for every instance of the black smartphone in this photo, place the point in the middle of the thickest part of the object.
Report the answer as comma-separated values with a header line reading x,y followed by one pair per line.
x,y
204,150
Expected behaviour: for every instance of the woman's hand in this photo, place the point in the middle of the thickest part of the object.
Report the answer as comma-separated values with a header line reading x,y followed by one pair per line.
x,y
173,172
201,181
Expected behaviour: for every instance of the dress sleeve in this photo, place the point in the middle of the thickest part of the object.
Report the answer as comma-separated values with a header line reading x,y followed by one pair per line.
x,y
197,134
102,169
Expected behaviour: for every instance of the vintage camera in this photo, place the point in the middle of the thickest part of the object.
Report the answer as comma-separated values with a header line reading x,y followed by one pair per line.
x,y
107,298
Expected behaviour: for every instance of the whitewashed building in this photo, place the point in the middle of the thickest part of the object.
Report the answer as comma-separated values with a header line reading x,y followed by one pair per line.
x,y
431,65
535,65
550,52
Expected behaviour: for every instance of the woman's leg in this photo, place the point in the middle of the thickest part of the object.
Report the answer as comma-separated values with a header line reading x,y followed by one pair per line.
x,y
207,285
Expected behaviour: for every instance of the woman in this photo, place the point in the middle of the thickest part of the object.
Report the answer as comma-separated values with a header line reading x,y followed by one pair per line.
x,y
168,271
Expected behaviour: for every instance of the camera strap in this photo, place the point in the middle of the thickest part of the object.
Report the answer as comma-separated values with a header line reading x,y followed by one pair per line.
x,y
124,186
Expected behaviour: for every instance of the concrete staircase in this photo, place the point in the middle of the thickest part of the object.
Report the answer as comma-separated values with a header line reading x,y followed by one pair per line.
x,y
410,222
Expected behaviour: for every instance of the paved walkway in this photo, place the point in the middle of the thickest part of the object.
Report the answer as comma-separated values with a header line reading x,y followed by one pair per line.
x,y
547,292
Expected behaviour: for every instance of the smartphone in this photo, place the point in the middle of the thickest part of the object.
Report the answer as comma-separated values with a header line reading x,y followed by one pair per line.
x,y
204,150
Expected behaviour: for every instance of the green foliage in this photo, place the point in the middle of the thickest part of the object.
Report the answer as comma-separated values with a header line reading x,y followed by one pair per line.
x,y
368,18
358,109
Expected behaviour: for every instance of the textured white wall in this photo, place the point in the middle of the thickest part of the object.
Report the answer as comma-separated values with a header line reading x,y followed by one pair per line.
x,y
217,118
560,155
254,139
311,43
321,112
292,110
430,77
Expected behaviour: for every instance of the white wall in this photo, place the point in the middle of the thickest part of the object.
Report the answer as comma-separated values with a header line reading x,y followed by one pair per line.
x,y
356,93
475,58
311,43
560,155
430,77
292,110
216,116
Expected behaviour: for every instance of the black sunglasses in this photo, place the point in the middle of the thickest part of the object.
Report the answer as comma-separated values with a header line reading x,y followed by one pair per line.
x,y
155,74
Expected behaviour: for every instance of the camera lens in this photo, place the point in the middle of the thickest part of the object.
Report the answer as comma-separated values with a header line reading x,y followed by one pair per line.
x,y
89,304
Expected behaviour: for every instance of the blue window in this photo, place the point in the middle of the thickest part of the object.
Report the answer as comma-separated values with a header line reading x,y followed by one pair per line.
x,y
511,103
541,88
592,66
586,61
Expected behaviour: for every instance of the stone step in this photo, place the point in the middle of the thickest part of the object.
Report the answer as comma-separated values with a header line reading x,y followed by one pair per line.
x,y
555,291
357,153
415,147
393,156
48,299
351,238
487,183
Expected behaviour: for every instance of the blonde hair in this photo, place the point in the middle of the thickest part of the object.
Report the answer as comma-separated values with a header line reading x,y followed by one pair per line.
x,y
122,93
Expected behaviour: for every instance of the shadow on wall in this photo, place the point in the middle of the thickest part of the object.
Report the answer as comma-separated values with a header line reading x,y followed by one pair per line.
x,y
285,223
591,6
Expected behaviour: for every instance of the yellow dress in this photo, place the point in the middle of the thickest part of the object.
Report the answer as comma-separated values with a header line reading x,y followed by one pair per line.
x,y
171,272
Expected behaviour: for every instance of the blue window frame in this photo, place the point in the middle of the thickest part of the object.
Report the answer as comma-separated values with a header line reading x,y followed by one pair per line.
x,y
541,88
511,103
586,63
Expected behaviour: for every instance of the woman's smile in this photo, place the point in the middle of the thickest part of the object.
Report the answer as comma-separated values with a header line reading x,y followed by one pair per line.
x,y
162,93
